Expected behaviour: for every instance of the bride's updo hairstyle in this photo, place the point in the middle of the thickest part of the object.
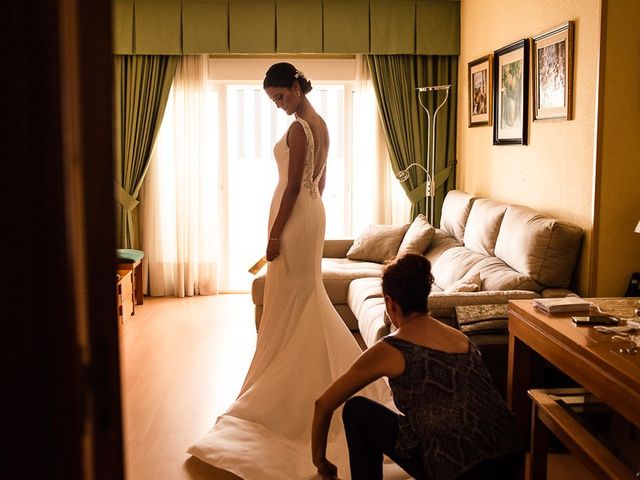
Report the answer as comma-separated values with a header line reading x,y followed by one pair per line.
x,y
407,280
283,75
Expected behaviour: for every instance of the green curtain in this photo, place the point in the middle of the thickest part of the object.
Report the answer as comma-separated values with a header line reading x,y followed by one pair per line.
x,y
395,79
142,84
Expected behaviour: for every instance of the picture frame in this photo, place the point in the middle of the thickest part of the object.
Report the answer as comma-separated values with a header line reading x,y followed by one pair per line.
x,y
511,94
552,59
480,91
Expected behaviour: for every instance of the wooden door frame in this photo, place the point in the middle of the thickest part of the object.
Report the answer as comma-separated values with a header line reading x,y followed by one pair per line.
x,y
60,357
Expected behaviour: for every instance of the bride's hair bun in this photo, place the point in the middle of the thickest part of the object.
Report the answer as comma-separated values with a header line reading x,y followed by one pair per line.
x,y
284,74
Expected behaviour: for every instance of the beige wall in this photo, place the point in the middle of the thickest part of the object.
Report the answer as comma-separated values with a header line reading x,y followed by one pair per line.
x,y
554,173
616,250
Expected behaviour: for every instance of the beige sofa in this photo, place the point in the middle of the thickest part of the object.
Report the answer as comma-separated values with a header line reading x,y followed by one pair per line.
x,y
337,273
511,251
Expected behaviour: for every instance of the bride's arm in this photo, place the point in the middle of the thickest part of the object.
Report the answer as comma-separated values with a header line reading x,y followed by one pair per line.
x,y
297,142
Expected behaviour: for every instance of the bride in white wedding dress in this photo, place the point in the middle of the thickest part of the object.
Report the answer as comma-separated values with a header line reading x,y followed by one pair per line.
x,y
303,344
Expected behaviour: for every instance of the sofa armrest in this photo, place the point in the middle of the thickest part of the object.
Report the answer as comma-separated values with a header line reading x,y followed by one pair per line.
x,y
336,248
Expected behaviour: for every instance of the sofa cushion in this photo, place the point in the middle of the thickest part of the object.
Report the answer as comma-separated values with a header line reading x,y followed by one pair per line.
x,y
365,298
337,274
468,283
418,237
497,275
129,255
371,322
378,243
454,264
336,248
442,305
455,211
483,225
441,242
537,245
362,289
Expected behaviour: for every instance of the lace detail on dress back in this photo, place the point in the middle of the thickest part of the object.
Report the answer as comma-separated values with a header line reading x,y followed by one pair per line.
x,y
308,181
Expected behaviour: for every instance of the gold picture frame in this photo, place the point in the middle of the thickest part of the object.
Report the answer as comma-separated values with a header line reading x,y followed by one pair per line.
x,y
480,91
552,57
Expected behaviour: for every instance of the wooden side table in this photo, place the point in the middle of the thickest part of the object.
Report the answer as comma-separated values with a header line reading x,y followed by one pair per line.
x,y
124,295
591,358
136,271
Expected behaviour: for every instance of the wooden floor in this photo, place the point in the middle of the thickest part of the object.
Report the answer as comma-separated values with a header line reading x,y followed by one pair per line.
x,y
183,361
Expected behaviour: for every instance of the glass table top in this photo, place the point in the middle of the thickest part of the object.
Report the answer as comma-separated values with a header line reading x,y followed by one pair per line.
x,y
613,431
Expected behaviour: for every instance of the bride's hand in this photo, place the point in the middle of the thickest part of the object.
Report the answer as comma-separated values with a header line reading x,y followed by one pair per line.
x,y
273,249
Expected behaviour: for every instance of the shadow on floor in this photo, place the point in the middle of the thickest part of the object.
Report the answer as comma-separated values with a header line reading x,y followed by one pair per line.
x,y
199,470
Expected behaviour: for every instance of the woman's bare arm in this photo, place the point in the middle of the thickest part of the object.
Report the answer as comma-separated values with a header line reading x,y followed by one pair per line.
x,y
297,142
378,361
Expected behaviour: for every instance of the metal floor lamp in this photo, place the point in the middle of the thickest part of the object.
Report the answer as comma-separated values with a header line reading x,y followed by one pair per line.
x,y
430,185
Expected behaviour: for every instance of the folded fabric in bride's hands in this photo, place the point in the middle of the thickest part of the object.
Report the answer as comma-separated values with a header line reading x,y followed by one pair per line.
x,y
256,267
563,304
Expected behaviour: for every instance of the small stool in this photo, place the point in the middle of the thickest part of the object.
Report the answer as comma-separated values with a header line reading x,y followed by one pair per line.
x,y
130,259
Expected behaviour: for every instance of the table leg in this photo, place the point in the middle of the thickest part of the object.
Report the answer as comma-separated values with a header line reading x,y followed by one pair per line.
x,y
518,380
137,277
525,371
539,444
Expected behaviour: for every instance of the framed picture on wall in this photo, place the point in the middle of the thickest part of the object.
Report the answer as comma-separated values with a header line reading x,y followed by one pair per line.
x,y
511,93
553,73
480,91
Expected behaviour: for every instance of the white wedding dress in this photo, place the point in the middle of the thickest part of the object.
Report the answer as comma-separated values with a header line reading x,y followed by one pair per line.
x,y
303,345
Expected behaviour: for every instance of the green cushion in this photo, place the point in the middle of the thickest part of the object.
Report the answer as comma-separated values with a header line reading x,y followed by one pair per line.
x,y
129,255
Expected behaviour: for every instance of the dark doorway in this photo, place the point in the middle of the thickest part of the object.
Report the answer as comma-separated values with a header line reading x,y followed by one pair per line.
x,y
60,361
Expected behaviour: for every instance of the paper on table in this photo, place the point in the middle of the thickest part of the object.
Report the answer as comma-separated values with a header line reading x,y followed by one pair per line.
x,y
563,304
628,328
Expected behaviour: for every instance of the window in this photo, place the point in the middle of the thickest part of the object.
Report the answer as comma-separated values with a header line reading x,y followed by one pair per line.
x,y
243,126
253,126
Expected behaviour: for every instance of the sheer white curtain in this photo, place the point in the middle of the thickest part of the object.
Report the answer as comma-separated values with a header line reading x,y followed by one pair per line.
x,y
377,195
180,220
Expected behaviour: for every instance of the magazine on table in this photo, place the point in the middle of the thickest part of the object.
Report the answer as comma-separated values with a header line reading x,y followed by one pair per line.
x,y
563,304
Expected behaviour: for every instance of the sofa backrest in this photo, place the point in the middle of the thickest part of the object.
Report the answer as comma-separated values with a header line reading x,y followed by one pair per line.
x,y
483,225
542,247
455,211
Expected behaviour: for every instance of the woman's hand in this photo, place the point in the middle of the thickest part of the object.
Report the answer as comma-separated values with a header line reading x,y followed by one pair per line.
x,y
273,249
327,470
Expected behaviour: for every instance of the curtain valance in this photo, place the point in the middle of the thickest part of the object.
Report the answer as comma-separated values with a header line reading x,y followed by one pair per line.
x,y
176,27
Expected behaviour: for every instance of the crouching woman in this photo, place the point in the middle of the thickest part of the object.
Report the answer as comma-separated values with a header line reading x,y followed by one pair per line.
x,y
453,422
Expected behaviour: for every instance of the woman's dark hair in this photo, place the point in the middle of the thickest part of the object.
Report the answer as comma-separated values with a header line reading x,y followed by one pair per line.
x,y
407,280
284,75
